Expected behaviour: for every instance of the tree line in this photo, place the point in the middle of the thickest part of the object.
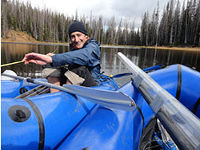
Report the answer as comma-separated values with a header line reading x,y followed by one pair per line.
x,y
177,26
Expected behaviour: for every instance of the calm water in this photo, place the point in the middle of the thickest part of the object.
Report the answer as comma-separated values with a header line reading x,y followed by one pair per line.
x,y
110,63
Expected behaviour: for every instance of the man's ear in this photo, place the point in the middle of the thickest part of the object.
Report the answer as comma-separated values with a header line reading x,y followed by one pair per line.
x,y
87,37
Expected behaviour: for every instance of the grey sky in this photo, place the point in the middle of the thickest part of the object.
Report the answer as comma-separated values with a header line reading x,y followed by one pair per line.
x,y
125,9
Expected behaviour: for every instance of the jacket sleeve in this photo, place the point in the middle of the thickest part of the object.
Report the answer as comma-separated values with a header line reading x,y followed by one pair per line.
x,y
87,56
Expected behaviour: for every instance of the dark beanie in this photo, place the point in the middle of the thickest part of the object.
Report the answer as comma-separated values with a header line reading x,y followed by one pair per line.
x,y
77,26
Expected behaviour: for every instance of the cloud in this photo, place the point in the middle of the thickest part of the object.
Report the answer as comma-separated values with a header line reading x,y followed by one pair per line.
x,y
99,8
131,10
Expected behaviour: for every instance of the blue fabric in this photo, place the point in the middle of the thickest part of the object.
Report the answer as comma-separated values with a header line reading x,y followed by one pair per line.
x,y
88,56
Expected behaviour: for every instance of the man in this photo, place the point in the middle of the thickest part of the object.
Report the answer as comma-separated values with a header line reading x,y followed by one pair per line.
x,y
83,60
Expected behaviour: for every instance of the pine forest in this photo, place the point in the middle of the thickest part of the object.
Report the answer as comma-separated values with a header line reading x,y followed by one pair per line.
x,y
178,25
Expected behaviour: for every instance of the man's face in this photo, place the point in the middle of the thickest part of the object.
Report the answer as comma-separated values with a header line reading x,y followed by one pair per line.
x,y
78,39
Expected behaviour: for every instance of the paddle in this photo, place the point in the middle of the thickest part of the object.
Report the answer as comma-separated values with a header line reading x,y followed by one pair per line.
x,y
111,99
156,67
120,75
13,63
181,124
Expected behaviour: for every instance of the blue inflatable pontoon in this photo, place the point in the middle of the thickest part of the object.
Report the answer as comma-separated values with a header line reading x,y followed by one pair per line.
x,y
31,119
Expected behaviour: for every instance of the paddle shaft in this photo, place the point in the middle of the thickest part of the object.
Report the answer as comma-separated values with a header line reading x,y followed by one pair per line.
x,y
156,67
181,124
13,63
21,61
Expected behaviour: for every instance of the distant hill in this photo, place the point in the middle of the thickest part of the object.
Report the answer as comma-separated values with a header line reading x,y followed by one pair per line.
x,y
18,36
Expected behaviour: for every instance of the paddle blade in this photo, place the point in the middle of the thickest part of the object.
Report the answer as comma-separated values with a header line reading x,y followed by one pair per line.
x,y
110,99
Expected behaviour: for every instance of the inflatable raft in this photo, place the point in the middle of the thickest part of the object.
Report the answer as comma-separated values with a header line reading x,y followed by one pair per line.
x,y
66,121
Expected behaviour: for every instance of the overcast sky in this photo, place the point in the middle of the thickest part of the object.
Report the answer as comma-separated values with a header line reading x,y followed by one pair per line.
x,y
126,9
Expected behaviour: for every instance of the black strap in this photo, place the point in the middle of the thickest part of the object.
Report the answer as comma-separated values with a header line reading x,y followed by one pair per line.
x,y
196,105
138,108
40,123
179,82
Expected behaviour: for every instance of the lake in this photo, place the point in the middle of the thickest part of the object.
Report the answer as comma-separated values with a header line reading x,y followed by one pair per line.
x,y
110,63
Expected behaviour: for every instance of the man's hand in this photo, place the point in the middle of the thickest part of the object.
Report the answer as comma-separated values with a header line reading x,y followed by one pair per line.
x,y
36,58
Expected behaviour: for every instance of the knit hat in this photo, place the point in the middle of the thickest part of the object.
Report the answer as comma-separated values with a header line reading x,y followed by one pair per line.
x,y
77,26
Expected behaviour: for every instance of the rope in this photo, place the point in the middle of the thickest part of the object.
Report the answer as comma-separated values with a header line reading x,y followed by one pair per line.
x,y
13,63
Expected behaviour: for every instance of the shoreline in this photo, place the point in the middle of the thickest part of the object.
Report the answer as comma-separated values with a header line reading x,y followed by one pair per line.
x,y
105,46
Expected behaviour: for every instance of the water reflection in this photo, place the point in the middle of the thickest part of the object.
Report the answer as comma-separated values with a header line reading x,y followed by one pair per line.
x,y
149,57
109,61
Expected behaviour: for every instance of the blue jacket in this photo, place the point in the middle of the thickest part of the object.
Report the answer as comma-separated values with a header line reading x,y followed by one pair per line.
x,y
88,56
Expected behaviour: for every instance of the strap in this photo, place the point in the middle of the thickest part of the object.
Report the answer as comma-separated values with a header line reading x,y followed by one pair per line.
x,y
196,105
179,82
138,108
40,123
